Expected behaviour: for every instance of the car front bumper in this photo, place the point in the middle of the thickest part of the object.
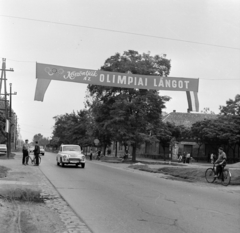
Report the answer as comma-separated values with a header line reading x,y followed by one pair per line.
x,y
73,161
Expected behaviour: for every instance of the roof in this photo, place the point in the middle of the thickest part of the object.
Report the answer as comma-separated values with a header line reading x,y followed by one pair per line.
x,y
187,119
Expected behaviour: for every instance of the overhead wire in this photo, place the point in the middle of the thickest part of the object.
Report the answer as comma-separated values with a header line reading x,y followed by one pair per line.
x,y
122,32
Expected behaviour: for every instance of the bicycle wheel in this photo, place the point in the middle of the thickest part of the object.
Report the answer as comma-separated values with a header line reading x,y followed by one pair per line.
x,y
209,175
39,160
226,177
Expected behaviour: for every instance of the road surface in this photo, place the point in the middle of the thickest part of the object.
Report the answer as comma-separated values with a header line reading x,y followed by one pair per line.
x,y
112,198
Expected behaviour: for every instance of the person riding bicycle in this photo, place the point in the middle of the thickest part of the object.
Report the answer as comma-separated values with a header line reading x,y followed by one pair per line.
x,y
220,162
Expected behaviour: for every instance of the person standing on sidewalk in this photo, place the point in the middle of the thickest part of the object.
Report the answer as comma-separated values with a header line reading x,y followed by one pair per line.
x,y
91,154
25,151
36,152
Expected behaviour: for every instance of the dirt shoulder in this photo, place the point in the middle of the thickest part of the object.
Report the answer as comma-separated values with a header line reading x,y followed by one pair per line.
x,y
22,208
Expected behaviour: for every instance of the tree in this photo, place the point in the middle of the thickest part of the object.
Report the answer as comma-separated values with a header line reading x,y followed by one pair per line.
x,y
223,131
42,141
129,115
169,134
232,107
37,137
72,128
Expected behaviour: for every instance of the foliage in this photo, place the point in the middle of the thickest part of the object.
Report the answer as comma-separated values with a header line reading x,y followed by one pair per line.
x,y
72,128
170,133
130,116
223,131
42,141
3,134
207,111
232,107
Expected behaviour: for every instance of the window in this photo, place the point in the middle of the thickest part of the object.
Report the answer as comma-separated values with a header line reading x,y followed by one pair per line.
x,y
71,148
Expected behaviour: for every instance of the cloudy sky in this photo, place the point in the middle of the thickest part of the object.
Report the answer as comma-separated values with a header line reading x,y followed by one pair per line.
x,y
201,37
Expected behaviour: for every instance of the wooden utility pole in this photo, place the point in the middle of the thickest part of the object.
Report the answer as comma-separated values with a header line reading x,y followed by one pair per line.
x,y
8,122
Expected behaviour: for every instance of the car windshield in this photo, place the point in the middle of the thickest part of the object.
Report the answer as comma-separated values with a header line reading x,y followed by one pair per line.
x,y
71,148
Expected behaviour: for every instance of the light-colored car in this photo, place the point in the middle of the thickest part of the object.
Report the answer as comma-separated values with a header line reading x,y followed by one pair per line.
x,y
70,154
3,149
42,151
31,149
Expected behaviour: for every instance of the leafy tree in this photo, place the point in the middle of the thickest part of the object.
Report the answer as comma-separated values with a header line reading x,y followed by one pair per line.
x,y
129,115
72,128
223,131
169,133
232,107
3,134
37,137
42,141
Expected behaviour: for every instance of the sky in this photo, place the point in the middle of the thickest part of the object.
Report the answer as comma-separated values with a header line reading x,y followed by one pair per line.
x,y
201,37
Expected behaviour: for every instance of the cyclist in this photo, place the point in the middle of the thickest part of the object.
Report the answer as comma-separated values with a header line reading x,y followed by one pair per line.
x,y
220,162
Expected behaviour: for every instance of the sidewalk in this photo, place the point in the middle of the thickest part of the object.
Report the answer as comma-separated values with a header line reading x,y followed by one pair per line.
x,y
53,214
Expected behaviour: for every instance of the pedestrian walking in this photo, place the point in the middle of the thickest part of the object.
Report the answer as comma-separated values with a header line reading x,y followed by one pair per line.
x,y
188,157
212,158
99,154
36,152
91,154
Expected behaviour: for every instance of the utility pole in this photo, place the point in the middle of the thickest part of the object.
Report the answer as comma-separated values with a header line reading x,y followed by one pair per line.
x,y
10,117
3,78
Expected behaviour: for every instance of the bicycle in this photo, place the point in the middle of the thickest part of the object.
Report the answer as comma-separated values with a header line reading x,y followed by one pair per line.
x,y
33,160
224,175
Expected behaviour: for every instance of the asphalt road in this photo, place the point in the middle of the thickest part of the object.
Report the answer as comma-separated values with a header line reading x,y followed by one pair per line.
x,y
113,199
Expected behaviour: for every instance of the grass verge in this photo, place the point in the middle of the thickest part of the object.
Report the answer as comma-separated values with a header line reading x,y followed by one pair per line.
x,y
186,173
24,195
3,171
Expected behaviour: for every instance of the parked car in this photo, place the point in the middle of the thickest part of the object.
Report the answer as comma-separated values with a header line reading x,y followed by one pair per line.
x,y
3,149
70,154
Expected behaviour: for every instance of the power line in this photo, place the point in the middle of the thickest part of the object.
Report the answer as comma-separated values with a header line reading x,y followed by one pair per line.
x,y
122,32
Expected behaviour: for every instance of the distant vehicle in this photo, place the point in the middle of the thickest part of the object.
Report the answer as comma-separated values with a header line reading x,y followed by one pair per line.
x,y
31,149
70,154
42,151
3,149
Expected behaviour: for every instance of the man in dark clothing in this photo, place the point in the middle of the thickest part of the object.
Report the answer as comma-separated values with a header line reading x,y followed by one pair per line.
x,y
91,154
25,151
36,152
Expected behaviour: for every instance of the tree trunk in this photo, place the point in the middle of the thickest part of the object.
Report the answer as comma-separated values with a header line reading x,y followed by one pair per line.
x,y
134,149
104,149
115,149
164,153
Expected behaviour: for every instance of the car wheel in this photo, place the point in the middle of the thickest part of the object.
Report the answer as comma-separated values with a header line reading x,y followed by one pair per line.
x,y
58,163
83,165
62,164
